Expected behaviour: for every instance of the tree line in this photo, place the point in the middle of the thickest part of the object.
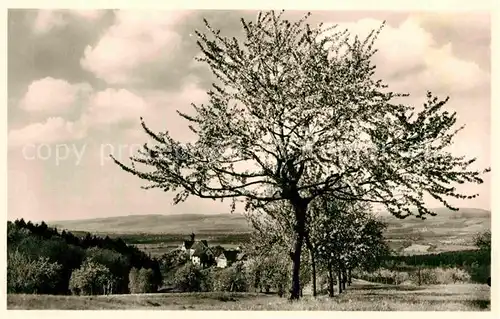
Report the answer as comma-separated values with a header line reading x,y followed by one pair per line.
x,y
42,260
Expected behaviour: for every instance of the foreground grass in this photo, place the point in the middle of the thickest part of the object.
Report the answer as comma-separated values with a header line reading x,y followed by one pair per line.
x,y
362,296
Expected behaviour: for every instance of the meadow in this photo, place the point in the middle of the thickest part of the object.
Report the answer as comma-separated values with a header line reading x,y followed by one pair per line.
x,y
361,296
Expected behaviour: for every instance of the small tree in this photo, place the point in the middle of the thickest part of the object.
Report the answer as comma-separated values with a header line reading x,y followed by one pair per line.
x,y
189,278
146,280
25,275
91,279
345,235
117,264
133,276
297,113
483,241
232,279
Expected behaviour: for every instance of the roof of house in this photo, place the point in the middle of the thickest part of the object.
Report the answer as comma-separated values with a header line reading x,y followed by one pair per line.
x,y
231,255
188,244
201,248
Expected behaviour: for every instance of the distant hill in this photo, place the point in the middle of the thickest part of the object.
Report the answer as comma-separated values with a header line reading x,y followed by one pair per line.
x,y
448,230
161,224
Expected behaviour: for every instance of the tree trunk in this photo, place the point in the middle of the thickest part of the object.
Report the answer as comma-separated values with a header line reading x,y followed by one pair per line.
x,y
313,263
300,214
349,276
339,274
330,280
344,278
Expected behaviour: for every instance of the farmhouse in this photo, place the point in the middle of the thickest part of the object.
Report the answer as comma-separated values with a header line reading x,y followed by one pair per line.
x,y
226,258
201,254
221,261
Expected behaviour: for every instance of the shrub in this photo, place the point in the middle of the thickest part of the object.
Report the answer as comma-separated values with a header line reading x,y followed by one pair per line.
x,y
479,272
189,277
30,276
400,277
269,273
91,279
141,281
117,264
222,279
207,279
422,276
459,275
233,279
133,286
146,281
431,276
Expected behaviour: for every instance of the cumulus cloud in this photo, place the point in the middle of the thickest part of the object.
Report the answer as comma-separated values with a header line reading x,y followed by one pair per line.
x,y
135,40
51,95
47,20
113,106
408,56
53,130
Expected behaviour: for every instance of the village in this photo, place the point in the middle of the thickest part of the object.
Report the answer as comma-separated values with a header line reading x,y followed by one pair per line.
x,y
199,253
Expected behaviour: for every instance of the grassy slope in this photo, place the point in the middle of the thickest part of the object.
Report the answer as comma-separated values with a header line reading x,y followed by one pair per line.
x,y
362,296
447,231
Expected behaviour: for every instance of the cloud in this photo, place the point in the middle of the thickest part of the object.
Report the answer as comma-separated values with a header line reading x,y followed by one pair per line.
x,y
53,96
47,20
409,57
89,15
137,39
113,106
53,130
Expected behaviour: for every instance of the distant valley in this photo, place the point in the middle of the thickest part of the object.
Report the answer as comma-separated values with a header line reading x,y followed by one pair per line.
x,y
447,231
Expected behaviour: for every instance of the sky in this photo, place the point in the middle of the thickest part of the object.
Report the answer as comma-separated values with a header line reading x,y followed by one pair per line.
x,y
78,82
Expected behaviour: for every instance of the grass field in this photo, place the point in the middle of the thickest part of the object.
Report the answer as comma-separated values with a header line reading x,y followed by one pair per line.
x,y
361,296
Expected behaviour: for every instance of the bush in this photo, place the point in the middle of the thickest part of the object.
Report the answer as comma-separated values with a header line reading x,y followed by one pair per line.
x,y
141,281
117,264
232,279
479,272
207,279
459,275
92,279
269,273
30,276
422,276
133,286
146,280
440,276
189,277
426,276
401,277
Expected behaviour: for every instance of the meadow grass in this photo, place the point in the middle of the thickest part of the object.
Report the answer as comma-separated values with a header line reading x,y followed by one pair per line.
x,y
361,296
